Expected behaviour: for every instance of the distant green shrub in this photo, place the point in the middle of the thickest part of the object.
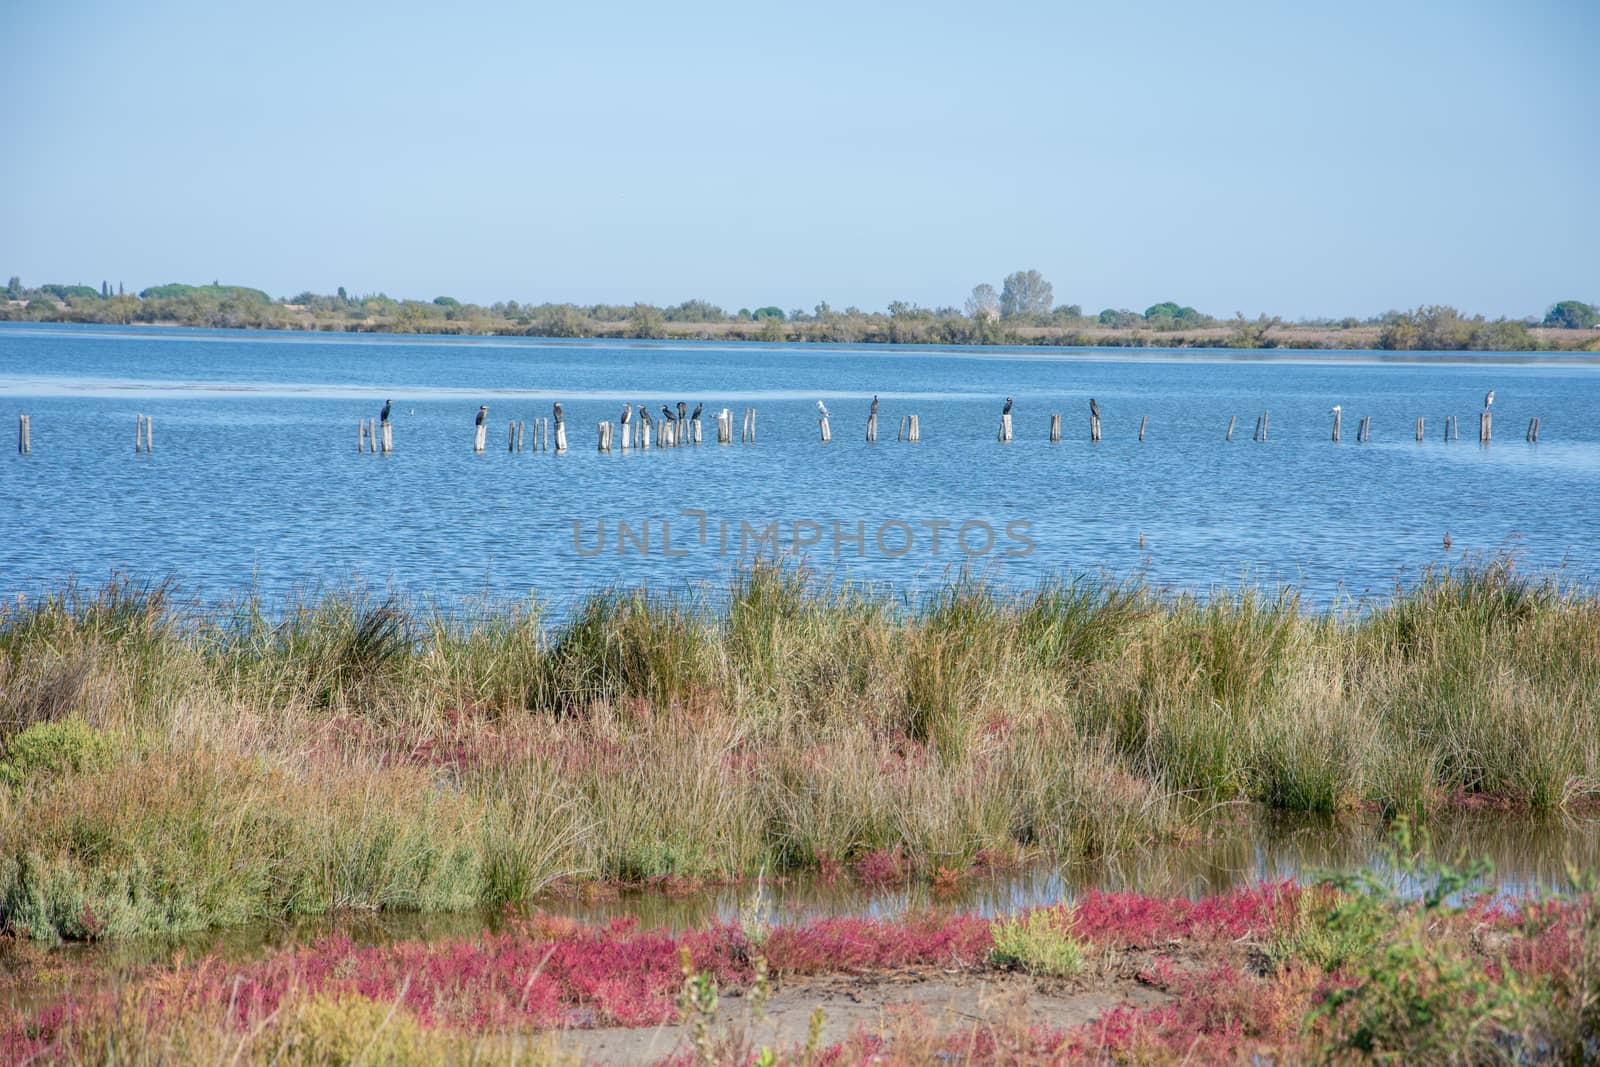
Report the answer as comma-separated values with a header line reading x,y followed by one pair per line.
x,y
50,748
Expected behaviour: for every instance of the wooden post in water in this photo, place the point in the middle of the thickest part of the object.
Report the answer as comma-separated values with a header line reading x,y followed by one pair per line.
x,y
725,427
1005,427
1265,415
24,435
1231,421
1142,420
388,438
1485,427
603,436
1094,428
872,428
914,431
361,435
1337,416
1361,430
521,427
1419,429
696,424
900,434
827,432
1055,428
149,434
511,436
752,425
1255,435
138,434
477,437
561,437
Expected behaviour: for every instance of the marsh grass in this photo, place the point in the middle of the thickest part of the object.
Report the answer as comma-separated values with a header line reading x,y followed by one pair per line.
x,y
361,751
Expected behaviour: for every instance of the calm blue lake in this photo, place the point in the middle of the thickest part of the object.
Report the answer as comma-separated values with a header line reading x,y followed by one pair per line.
x,y
255,482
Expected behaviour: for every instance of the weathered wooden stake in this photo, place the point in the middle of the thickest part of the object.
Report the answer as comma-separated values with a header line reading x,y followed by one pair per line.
x,y
1264,417
24,435
138,434
561,437
511,436
388,437
1538,424
1231,421
1485,427
1142,421
872,429
696,424
600,436
752,425
725,427
1533,426
361,435
1255,435
149,434
1005,427
914,431
1419,429
1337,416
1094,428
1055,428
827,432
477,437
900,434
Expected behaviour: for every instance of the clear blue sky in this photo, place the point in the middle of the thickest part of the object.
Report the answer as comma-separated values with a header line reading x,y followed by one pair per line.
x,y
1302,159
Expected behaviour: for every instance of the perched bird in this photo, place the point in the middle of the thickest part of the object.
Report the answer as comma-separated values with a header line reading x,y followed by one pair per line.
x,y
1488,399
483,413
1094,409
698,408
627,413
383,416
1335,409
644,414
874,410
666,412
556,409
822,408
1007,409
683,411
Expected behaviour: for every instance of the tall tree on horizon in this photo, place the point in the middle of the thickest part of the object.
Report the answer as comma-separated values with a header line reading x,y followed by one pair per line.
x,y
1025,292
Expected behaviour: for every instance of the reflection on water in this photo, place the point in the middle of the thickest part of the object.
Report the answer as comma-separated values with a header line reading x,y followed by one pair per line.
x,y
1530,857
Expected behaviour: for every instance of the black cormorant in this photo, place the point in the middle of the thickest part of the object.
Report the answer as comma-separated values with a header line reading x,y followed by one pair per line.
x,y
698,408
483,413
383,416
1094,409
683,411
556,408
874,410
1007,409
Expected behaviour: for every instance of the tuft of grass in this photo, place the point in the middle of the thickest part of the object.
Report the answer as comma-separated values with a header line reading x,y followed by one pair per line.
x,y
1039,943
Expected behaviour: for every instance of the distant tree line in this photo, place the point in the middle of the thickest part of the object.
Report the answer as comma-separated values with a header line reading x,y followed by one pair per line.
x,y
1021,311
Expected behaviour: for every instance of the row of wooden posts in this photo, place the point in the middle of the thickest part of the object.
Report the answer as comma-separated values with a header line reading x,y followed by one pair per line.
x,y
375,436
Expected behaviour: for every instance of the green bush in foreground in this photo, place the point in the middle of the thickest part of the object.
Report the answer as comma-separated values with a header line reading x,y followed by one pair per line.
x,y
51,748
1038,943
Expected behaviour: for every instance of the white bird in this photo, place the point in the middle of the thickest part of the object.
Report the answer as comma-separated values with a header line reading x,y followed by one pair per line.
x,y
1488,399
822,408
1335,410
